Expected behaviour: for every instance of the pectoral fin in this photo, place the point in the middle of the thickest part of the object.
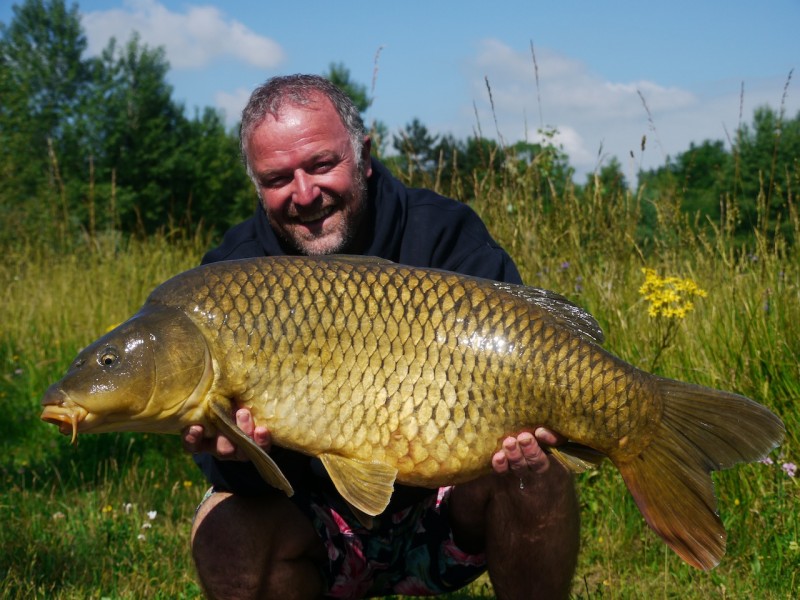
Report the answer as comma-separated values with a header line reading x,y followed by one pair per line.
x,y
576,457
367,486
267,468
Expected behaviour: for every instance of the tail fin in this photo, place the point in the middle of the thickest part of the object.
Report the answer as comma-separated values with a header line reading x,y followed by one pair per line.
x,y
702,430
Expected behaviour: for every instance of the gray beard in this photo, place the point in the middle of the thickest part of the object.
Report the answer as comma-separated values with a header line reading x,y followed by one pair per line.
x,y
349,235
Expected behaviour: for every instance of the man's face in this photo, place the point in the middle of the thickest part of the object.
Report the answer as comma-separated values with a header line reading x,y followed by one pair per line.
x,y
312,186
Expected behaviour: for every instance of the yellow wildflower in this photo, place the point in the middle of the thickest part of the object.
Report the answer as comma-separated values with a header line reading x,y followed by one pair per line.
x,y
670,300
669,297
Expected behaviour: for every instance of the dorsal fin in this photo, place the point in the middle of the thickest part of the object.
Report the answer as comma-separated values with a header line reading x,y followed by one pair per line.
x,y
567,313
357,259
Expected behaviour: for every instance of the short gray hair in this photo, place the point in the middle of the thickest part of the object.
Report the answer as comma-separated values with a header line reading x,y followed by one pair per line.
x,y
299,90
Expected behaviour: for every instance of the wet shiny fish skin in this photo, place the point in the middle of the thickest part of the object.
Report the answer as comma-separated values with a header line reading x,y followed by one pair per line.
x,y
388,372
406,366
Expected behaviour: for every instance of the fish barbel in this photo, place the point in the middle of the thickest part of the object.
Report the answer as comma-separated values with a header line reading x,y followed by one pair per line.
x,y
393,373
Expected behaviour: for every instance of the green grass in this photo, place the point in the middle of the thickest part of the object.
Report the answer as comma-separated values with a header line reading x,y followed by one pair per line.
x,y
72,516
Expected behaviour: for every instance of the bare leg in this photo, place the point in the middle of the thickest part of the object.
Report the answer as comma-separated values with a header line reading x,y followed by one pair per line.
x,y
530,532
255,548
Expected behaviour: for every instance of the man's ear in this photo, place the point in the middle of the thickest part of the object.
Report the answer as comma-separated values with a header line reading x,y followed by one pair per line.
x,y
365,156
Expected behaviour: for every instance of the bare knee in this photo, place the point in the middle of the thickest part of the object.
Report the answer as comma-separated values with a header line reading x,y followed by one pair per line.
x,y
528,528
260,547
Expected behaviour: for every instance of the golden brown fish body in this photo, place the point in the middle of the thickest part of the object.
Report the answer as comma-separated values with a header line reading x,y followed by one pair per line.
x,y
388,372
422,370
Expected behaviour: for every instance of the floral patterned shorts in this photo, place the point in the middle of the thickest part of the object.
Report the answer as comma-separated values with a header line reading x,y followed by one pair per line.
x,y
410,552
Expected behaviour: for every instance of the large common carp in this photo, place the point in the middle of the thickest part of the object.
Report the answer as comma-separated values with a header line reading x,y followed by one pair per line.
x,y
392,373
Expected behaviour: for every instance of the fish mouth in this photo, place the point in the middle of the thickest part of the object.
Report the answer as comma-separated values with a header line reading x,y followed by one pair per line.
x,y
62,412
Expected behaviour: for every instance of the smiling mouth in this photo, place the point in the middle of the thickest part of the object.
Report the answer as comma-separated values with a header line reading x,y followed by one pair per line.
x,y
316,216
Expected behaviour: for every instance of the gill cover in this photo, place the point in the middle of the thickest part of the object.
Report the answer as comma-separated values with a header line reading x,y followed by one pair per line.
x,y
135,378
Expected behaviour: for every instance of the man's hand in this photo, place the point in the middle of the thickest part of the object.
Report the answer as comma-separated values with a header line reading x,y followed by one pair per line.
x,y
523,454
220,446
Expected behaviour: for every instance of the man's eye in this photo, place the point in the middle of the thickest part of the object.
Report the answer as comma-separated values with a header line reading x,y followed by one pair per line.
x,y
275,182
322,167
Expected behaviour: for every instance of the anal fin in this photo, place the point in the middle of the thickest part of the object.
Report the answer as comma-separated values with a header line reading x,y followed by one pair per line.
x,y
577,457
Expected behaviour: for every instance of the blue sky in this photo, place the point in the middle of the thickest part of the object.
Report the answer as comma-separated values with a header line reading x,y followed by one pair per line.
x,y
598,63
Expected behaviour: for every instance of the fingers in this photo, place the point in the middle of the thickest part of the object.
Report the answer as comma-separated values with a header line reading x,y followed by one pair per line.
x,y
262,437
222,447
259,434
548,437
519,455
193,438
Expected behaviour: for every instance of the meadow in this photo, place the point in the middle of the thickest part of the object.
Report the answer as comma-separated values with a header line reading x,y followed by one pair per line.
x,y
110,517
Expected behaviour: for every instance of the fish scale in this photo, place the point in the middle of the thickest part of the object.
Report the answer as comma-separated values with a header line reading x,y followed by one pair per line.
x,y
399,303
390,373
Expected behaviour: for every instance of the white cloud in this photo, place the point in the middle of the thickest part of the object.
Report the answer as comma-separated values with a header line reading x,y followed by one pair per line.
x,y
596,118
193,39
231,104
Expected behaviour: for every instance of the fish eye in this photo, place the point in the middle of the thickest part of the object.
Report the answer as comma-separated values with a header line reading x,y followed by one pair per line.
x,y
108,357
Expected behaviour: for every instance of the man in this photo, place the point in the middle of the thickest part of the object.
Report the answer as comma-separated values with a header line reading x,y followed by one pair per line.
x,y
306,150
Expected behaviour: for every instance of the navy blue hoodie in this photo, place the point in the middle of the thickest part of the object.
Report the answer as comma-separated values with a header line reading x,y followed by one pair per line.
x,y
410,226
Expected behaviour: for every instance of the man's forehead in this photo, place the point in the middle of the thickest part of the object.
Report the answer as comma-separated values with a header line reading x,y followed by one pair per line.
x,y
319,119
312,103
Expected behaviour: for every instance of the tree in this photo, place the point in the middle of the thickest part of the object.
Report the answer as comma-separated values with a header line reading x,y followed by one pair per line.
x,y
100,143
136,135
610,179
40,54
42,76
221,193
764,156
415,146
339,75
379,134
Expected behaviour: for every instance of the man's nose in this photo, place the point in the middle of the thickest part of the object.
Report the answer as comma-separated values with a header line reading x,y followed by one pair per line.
x,y
305,190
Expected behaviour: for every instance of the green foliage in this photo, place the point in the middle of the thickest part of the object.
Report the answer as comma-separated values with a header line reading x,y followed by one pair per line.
x,y
765,158
97,144
415,148
760,171
339,75
41,80
118,531
468,169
